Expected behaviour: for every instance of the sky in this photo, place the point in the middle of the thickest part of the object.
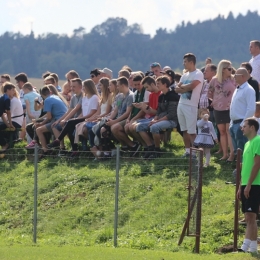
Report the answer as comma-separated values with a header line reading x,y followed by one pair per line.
x,y
63,16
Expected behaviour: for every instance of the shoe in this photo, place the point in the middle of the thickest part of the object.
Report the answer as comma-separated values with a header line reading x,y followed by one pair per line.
x,y
31,145
155,154
149,152
240,250
74,155
54,144
186,155
62,152
135,149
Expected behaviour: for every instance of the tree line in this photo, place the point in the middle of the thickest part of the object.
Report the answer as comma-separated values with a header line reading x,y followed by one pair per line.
x,y
114,43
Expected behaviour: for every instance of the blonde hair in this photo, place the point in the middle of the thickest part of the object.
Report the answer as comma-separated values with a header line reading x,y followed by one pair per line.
x,y
105,90
54,91
89,85
222,65
201,110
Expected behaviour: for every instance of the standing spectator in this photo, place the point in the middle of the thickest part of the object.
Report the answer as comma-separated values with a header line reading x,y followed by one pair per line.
x,y
249,188
206,134
210,71
251,81
221,89
242,106
29,97
189,87
207,61
254,49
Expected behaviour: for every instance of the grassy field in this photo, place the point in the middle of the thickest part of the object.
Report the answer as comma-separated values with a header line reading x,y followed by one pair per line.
x,y
76,207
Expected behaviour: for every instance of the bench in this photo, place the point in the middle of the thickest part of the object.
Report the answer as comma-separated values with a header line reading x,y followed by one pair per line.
x,y
12,132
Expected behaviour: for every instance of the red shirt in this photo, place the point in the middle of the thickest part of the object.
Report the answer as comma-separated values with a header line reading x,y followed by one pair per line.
x,y
153,102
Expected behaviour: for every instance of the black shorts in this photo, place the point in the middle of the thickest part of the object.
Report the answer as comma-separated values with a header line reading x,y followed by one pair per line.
x,y
221,117
252,203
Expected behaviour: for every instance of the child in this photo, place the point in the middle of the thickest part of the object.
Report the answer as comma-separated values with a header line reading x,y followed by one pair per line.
x,y
205,133
66,91
257,114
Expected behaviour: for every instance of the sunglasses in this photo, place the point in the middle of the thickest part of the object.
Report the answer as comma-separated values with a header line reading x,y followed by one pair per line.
x,y
92,76
229,69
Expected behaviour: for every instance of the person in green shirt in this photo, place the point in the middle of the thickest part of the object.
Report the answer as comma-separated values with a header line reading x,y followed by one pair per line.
x,y
249,188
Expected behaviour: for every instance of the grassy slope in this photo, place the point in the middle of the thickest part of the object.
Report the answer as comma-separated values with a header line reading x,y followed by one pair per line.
x,y
76,203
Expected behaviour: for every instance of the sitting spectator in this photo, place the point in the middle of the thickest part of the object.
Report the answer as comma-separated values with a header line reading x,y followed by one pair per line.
x,y
55,108
72,74
4,78
38,106
106,73
104,110
155,67
95,75
122,129
29,97
119,114
166,117
66,91
150,110
50,81
95,133
56,78
12,107
170,74
124,73
89,106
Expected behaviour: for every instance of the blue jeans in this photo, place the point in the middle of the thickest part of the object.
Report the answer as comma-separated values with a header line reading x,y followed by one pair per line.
x,y
238,139
91,135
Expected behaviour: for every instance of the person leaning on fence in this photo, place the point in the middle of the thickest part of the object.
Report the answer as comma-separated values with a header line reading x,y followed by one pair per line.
x,y
12,116
166,117
55,108
249,188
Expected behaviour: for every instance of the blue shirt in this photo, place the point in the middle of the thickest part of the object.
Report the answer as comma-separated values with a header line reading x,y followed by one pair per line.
x,y
30,96
55,106
4,104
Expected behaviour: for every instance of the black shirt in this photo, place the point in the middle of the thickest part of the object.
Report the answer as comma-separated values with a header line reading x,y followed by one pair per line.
x,y
4,104
254,84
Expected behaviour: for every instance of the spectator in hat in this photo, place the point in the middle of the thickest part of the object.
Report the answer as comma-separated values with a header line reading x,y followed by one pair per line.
x,y
106,73
170,74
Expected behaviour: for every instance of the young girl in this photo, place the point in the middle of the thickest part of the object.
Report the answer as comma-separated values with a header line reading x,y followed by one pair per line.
x,y
205,134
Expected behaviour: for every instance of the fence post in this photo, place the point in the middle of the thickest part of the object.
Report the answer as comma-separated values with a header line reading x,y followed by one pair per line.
x,y
116,194
35,193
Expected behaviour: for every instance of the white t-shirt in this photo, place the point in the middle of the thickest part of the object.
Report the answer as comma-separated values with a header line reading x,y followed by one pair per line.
x,y
89,104
146,96
255,63
192,97
17,110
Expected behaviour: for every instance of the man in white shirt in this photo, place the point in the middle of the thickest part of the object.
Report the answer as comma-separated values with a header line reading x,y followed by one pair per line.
x,y
242,106
254,49
189,87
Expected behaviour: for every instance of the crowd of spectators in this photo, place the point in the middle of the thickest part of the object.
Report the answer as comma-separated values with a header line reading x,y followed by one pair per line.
x,y
135,109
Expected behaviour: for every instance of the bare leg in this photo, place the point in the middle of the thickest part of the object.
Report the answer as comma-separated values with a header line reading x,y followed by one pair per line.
x,y
40,130
230,145
223,140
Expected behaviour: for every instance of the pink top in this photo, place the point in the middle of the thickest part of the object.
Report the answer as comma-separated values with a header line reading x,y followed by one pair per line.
x,y
221,93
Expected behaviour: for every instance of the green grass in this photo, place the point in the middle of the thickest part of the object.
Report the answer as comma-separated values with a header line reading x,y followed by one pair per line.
x,y
76,206
100,253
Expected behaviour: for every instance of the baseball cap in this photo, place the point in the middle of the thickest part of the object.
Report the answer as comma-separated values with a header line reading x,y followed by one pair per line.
x,y
95,72
168,72
108,72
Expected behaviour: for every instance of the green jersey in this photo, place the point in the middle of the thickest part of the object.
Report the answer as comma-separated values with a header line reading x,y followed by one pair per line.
x,y
251,149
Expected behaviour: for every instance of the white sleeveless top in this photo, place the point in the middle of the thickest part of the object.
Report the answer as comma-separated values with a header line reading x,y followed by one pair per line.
x,y
103,108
